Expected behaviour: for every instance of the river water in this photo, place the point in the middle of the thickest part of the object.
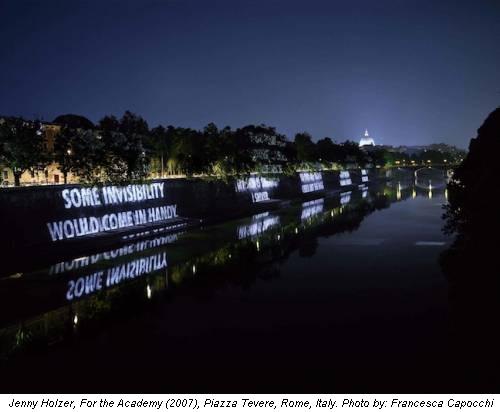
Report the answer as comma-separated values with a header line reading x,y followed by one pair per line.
x,y
338,294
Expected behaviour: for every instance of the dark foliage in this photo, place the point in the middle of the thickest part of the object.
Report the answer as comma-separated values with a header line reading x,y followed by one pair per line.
x,y
471,214
22,146
74,121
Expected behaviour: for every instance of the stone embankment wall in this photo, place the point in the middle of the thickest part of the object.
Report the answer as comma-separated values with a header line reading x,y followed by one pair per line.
x,y
65,215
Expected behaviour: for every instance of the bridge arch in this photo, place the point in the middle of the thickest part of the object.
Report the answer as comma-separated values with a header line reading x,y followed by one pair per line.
x,y
428,177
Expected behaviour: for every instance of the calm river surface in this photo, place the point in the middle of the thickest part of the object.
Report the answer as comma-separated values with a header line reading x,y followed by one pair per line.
x,y
340,294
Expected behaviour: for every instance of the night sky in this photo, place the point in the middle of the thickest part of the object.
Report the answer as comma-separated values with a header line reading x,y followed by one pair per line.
x,y
411,71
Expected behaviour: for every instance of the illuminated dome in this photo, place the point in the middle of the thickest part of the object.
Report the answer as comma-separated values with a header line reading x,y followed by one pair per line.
x,y
366,140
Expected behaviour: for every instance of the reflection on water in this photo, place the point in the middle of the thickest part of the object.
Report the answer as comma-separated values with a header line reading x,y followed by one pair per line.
x,y
83,296
85,261
260,224
345,198
113,276
364,191
312,208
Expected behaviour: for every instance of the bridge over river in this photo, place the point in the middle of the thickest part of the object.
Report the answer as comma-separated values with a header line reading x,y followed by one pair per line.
x,y
424,177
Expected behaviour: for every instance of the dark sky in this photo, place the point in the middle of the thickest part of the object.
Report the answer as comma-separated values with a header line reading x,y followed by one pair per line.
x,y
411,71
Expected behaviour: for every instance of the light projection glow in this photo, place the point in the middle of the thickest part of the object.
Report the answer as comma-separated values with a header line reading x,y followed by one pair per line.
x,y
81,197
345,178
312,208
345,198
83,226
109,195
260,223
364,176
311,181
89,284
257,186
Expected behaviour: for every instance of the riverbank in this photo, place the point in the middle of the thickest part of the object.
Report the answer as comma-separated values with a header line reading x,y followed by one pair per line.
x,y
69,219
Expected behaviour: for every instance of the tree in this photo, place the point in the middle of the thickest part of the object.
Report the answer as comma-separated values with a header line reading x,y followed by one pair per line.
x,y
63,151
469,213
213,147
471,260
306,149
266,146
124,146
159,146
22,145
74,121
188,151
352,152
378,157
326,150
238,151
88,155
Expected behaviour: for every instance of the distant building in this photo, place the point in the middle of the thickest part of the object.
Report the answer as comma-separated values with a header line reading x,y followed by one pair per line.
x,y
438,147
50,174
366,140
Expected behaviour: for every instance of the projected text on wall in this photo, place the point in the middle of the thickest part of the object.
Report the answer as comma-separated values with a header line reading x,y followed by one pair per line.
x,y
257,186
112,197
311,181
364,176
345,178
